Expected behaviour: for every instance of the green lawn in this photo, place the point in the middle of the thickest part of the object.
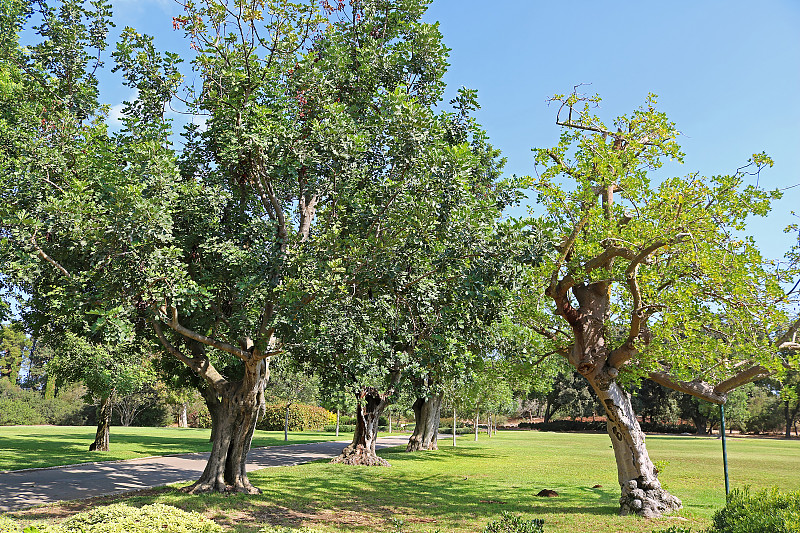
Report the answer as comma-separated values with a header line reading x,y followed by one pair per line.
x,y
42,446
460,489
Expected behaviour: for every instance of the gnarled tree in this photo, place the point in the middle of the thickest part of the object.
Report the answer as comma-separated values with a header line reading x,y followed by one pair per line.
x,y
651,278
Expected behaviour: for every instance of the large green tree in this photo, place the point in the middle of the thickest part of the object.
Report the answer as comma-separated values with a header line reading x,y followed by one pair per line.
x,y
651,277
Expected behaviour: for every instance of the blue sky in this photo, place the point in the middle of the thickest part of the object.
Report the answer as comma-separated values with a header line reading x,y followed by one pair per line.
x,y
726,72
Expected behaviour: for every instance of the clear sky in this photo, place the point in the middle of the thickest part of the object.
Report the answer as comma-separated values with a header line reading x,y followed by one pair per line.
x,y
727,72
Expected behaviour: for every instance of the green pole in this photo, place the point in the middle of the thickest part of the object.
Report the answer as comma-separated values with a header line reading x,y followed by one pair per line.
x,y
724,448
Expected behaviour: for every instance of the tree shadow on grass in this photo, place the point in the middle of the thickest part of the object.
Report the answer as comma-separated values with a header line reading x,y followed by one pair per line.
x,y
365,497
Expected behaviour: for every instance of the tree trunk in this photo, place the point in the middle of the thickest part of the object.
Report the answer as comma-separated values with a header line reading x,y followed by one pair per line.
x,y
337,421
183,419
426,429
102,437
286,424
638,477
700,424
234,413
390,422
454,427
788,419
362,450
489,425
476,425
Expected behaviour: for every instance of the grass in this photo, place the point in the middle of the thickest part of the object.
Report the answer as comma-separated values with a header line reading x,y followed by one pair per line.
x,y
460,489
43,446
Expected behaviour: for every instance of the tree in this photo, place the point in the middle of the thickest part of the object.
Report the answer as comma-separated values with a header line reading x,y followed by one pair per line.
x,y
14,344
108,374
290,384
651,281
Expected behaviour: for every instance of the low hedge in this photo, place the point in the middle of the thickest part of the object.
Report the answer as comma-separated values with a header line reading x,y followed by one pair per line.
x,y
600,425
122,518
767,511
302,417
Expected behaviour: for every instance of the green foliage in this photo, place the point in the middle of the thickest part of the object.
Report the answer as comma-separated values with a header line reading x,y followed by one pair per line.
x,y
301,417
24,407
287,529
767,511
14,343
511,523
122,518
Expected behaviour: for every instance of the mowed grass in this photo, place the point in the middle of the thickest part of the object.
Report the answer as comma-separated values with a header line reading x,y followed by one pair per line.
x,y
460,489
43,446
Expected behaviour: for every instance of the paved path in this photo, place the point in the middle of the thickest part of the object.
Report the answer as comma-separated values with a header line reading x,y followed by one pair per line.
x,y
27,488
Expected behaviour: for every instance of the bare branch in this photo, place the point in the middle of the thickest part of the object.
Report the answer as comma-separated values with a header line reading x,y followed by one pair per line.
x,y
698,389
202,367
49,259
208,341
742,378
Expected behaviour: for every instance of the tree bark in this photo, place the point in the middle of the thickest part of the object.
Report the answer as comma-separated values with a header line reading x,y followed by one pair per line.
x,y
454,426
426,429
337,421
642,493
102,437
286,424
788,420
362,450
234,413
476,425
183,419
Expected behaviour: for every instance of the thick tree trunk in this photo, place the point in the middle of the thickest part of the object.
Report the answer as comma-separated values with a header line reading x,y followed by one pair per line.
x,y
102,437
426,429
700,424
362,450
234,413
642,493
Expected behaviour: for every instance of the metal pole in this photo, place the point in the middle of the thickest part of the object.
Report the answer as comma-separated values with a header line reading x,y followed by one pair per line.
x,y
724,448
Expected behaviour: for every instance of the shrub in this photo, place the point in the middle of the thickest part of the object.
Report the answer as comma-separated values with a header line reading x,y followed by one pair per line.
x,y
122,518
342,428
26,407
768,511
511,523
674,529
301,417
8,526
284,529
600,425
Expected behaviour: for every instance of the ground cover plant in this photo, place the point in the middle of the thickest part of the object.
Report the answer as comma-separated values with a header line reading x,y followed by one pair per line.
x,y
43,446
463,489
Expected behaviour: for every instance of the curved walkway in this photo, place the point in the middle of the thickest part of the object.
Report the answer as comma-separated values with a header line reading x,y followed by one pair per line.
x,y
26,488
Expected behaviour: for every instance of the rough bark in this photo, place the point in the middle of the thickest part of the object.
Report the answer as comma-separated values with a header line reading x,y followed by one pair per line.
x,y
234,413
642,493
102,437
361,451
426,418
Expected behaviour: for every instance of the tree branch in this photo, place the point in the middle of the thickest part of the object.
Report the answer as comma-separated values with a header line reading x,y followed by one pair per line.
x,y
203,367
698,389
208,341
